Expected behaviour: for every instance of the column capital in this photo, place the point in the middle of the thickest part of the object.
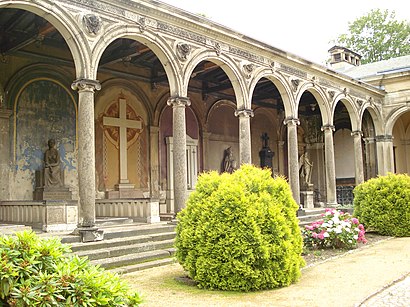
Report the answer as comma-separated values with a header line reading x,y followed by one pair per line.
x,y
328,127
178,101
153,129
291,120
244,113
83,84
357,133
384,138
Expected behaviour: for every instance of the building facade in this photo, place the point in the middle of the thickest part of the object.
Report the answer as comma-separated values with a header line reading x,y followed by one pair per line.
x,y
142,97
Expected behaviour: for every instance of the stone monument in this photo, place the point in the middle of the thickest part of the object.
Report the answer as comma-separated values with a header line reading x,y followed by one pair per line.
x,y
266,154
50,180
228,163
305,172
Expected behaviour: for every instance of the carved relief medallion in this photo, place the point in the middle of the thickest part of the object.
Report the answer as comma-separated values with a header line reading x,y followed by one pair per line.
x,y
183,51
92,23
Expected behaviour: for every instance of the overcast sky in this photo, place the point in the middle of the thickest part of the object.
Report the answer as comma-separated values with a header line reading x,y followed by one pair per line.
x,y
300,27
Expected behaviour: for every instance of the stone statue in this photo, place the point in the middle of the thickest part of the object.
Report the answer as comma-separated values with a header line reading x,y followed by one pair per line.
x,y
228,164
305,168
52,167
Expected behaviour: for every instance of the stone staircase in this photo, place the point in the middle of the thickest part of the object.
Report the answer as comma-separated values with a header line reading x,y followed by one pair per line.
x,y
129,246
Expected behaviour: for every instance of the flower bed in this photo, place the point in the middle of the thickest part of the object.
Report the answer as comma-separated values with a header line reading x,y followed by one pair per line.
x,y
337,229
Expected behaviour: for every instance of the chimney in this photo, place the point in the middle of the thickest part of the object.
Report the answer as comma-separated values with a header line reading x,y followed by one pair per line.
x,y
342,58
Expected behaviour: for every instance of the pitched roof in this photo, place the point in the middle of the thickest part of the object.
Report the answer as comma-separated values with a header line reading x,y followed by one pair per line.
x,y
393,65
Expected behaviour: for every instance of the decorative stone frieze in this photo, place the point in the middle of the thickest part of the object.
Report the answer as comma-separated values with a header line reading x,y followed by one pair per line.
x,y
92,23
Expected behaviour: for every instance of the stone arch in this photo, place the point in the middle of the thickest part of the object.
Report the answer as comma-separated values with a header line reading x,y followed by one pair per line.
x,y
320,96
376,117
391,119
351,109
284,90
228,65
156,43
66,26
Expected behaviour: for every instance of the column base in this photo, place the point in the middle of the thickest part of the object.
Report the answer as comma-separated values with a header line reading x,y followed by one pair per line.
x,y
89,234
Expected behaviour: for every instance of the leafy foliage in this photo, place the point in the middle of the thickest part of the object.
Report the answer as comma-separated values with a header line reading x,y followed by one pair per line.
x,y
336,229
240,232
377,36
383,204
41,272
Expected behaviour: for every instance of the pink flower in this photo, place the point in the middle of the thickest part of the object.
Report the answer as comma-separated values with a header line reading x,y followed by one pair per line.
x,y
314,235
321,236
361,227
355,221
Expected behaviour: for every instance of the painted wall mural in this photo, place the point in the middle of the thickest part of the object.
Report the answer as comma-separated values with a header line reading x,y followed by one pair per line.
x,y
44,109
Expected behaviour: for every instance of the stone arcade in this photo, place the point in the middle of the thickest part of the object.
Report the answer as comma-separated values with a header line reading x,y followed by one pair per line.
x,y
141,97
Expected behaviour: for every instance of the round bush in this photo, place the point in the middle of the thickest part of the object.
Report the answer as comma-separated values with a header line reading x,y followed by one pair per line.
x,y
42,272
383,204
240,232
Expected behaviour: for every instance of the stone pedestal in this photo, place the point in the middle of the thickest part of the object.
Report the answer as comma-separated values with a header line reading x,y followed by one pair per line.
x,y
60,193
307,197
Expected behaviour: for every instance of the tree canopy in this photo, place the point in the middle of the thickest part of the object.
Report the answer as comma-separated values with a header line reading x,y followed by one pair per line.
x,y
377,36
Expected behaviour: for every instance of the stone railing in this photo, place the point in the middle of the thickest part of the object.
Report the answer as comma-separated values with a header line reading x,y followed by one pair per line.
x,y
140,210
45,215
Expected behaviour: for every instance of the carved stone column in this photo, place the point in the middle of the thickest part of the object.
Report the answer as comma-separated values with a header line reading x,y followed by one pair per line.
x,y
154,160
205,150
4,152
244,135
358,154
293,158
281,157
86,150
385,156
330,165
370,158
179,150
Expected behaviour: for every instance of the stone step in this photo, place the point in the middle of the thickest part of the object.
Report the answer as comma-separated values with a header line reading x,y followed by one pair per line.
x,y
112,221
133,259
143,265
82,247
111,252
9,229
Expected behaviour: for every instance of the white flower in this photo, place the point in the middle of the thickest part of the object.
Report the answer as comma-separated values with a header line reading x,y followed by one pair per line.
x,y
355,237
326,235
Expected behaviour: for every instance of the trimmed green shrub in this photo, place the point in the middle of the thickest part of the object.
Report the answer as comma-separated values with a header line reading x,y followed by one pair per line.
x,y
41,272
240,232
383,204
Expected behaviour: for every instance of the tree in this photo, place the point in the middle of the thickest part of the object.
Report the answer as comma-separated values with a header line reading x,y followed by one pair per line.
x,y
377,36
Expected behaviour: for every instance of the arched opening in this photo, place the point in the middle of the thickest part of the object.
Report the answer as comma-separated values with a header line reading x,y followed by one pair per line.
x,y
37,71
311,149
369,146
401,144
131,76
211,91
269,145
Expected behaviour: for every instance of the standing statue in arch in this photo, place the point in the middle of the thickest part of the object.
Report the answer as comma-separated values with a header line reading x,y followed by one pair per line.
x,y
52,167
228,163
305,168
